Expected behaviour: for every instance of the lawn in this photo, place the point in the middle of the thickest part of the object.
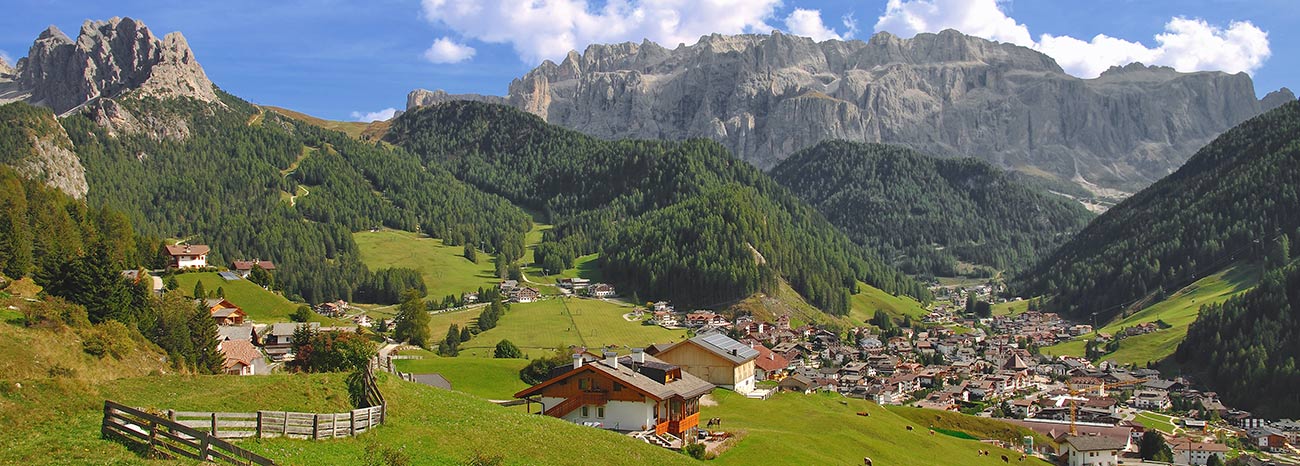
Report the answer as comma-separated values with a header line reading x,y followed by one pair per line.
x,y
1156,421
824,429
551,323
1011,308
445,269
979,427
492,379
1178,311
261,306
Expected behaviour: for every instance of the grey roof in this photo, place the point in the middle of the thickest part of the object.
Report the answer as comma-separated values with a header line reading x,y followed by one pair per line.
x,y
287,328
1095,443
688,386
235,332
228,276
724,346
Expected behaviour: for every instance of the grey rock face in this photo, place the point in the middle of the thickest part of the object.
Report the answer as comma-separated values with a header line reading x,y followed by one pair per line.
x,y
427,98
5,68
946,94
55,163
1277,99
107,59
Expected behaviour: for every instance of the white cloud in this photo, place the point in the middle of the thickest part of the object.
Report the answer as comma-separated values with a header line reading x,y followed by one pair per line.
x,y
549,29
809,23
445,50
6,57
1186,44
367,117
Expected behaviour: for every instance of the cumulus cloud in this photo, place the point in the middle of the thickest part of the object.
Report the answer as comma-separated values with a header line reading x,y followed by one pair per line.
x,y
809,23
367,117
445,50
549,29
1186,44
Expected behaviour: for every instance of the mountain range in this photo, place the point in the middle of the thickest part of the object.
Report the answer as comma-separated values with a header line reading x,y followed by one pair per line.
x,y
766,97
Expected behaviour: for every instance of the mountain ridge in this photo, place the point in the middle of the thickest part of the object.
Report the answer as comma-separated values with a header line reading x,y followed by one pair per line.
x,y
947,94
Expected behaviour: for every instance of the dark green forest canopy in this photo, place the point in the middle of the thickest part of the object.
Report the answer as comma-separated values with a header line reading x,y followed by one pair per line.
x,y
926,213
1246,348
226,183
1226,204
607,196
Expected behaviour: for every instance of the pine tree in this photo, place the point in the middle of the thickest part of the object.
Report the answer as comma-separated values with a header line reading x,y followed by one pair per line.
x,y
206,359
199,292
465,334
412,321
470,253
450,345
507,350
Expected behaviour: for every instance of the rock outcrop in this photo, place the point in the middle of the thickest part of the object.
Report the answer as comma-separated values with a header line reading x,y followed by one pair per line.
x,y
427,98
946,94
1277,99
107,59
41,150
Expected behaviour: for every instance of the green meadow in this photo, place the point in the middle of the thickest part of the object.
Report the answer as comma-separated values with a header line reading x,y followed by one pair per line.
x,y
261,306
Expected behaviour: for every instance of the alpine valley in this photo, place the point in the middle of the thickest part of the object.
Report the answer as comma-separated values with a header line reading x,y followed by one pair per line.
x,y
753,249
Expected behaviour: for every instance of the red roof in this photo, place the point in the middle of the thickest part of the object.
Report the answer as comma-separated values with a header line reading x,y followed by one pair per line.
x,y
239,351
187,249
769,361
248,265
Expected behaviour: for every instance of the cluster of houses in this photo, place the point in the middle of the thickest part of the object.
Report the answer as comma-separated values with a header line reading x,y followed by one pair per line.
x,y
250,348
518,294
585,287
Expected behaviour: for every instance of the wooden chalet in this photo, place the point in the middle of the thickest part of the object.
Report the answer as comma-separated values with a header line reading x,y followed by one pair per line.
x,y
225,312
717,359
187,256
636,393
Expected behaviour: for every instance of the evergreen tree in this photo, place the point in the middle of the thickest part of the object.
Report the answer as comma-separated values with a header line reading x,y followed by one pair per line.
x,y
1153,446
450,345
95,282
260,276
412,321
199,292
465,334
15,232
301,314
203,339
221,292
470,253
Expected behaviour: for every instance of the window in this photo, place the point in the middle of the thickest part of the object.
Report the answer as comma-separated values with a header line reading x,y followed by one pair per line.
x,y
600,412
586,412
583,384
618,387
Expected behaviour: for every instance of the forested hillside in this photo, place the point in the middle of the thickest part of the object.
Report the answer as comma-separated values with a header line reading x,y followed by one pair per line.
x,y
254,184
924,213
1228,203
1246,348
606,196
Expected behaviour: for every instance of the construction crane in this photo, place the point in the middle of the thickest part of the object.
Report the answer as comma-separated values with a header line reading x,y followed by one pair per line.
x,y
1074,398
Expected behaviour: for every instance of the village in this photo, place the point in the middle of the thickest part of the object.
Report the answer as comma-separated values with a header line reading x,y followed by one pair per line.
x,y
947,360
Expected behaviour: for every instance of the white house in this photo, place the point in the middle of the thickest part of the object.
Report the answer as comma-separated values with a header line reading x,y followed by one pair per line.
x,y
1089,450
188,256
1198,453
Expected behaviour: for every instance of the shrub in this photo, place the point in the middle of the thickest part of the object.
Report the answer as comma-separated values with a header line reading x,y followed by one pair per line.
x,y
55,312
109,338
694,450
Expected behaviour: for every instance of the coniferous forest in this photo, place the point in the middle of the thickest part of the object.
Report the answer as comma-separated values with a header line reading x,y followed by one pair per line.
x,y
650,208
925,214
1227,204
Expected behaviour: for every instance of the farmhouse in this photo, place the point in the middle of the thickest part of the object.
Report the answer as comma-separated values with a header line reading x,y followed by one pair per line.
x,y
187,256
225,312
242,358
279,340
1090,450
715,358
245,267
769,365
525,294
601,290
1199,453
631,393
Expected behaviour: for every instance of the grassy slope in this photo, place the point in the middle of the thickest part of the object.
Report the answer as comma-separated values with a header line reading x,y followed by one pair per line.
x,y
445,269
979,427
355,129
823,429
33,353
493,379
552,323
1011,308
262,306
870,298
1179,311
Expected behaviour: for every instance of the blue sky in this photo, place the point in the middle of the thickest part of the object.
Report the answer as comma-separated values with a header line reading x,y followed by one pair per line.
x,y
342,60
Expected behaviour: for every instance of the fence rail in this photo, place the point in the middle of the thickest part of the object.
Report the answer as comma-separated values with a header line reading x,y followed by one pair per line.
x,y
161,437
263,424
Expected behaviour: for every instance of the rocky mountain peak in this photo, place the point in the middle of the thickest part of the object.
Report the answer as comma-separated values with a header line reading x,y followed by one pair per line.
x,y
108,58
1277,99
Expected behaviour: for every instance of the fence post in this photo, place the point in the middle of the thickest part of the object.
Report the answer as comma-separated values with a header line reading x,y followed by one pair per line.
x,y
153,434
315,427
259,424
352,423
205,447
171,415
214,424
285,433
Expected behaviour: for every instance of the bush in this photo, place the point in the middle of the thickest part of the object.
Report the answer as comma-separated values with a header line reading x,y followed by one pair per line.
x,y
110,338
302,314
694,450
538,370
507,350
55,312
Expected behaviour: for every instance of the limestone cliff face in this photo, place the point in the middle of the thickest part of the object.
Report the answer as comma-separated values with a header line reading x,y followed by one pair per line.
x,y
107,59
46,153
946,94
427,98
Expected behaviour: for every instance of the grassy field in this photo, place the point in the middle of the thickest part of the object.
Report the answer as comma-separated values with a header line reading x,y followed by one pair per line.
x,y
979,427
824,429
261,305
1156,421
445,269
545,325
1011,308
32,353
358,130
869,299
1178,311
492,379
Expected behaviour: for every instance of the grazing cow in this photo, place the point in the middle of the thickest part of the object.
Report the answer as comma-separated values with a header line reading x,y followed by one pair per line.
x,y
1023,456
931,431
717,421
909,427
866,461
1005,460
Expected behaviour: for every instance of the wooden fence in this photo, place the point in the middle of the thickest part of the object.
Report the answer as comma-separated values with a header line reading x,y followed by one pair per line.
x,y
160,437
263,424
